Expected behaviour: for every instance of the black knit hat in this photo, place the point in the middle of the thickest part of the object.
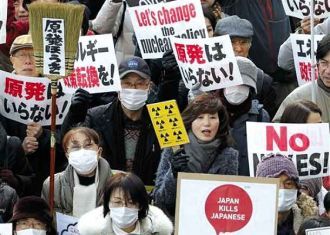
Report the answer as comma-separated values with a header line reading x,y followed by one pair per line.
x,y
32,207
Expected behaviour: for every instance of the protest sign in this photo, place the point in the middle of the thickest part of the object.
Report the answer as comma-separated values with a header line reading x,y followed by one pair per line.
x,y
3,20
155,24
307,145
95,68
28,99
225,204
53,44
301,49
168,124
66,225
6,229
209,61
302,8
134,3
318,231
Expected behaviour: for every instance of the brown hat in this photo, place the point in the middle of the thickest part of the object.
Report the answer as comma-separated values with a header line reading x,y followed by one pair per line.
x,y
23,41
32,207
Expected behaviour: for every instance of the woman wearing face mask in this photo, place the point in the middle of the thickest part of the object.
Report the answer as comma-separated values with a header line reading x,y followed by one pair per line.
x,y
79,188
125,211
293,207
31,216
206,121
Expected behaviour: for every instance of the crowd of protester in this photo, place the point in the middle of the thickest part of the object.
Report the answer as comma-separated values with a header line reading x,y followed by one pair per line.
x,y
107,152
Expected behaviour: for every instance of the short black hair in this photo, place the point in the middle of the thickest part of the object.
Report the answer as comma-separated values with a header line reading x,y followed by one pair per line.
x,y
132,187
323,47
313,222
326,202
208,13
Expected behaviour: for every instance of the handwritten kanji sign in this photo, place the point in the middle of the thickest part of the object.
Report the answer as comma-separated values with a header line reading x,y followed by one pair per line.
x,y
318,231
307,144
209,61
302,8
28,99
301,49
54,53
225,205
155,24
66,225
3,20
168,124
95,68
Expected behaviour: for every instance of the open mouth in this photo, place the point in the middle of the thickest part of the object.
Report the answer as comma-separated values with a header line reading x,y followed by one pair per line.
x,y
206,132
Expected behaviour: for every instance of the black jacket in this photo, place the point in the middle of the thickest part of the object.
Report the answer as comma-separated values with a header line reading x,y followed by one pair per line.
x,y
104,119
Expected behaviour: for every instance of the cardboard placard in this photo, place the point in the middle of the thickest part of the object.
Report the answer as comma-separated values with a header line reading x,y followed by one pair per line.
x,y
155,24
95,68
302,8
307,145
209,61
28,99
66,225
168,124
301,49
3,21
225,204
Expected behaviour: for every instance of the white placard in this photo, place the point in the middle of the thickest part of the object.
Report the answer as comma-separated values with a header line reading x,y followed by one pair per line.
x,y
95,68
301,49
6,229
209,61
66,225
225,205
301,8
54,44
3,21
307,144
28,99
154,25
318,231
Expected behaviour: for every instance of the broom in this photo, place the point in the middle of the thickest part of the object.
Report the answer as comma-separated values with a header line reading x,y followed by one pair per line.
x,y
72,16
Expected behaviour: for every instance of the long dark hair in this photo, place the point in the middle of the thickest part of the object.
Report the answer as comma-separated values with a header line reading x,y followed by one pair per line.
x,y
208,103
299,111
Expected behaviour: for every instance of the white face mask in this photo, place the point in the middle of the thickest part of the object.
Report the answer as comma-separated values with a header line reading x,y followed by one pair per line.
x,y
124,217
286,199
236,95
83,161
31,231
133,99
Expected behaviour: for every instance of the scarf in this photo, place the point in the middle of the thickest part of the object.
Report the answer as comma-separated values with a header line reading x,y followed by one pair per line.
x,y
322,86
201,155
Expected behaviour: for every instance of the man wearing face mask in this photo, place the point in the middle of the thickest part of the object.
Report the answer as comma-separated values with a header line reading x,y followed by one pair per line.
x,y
128,140
293,207
32,216
242,108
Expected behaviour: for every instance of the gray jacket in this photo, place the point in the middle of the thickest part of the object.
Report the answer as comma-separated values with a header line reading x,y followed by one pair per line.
x,y
226,163
64,184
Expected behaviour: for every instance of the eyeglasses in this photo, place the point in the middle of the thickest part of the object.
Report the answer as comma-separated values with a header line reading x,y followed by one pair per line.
x,y
324,63
77,147
138,85
118,203
23,56
26,224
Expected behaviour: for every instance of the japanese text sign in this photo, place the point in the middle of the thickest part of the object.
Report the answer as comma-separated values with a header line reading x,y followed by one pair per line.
x,y
209,61
95,68
318,231
301,49
225,204
28,99
155,24
66,225
3,20
6,229
53,41
168,124
302,8
307,144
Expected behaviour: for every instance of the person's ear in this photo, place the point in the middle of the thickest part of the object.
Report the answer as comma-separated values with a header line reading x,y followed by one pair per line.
x,y
99,152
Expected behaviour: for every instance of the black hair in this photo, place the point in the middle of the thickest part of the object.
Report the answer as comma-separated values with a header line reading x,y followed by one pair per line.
x,y
133,189
299,111
323,47
326,202
313,222
208,13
